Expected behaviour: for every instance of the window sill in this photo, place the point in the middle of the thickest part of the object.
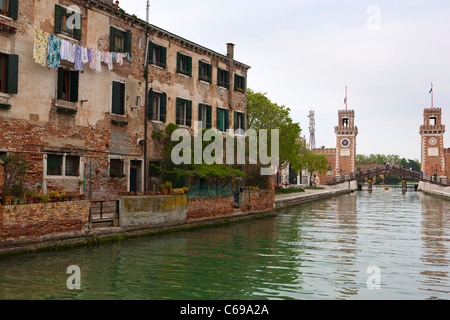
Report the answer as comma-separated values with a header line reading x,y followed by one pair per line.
x,y
62,35
162,67
63,177
3,16
205,82
183,74
157,121
65,106
222,87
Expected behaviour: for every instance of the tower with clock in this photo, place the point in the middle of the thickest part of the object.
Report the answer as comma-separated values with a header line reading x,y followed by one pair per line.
x,y
346,133
432,142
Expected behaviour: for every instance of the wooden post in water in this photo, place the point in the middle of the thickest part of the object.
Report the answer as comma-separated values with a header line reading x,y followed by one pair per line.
x,y
404,187
370,184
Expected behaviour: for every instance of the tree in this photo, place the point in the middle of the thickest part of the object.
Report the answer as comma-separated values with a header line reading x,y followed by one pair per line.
x,y
15,168
265,114
313,162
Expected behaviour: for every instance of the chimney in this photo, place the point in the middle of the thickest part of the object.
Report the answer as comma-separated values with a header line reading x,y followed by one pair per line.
x,y
117,4
230,50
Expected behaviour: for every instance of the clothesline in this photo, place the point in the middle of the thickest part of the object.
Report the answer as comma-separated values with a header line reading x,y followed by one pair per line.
x,y
49,50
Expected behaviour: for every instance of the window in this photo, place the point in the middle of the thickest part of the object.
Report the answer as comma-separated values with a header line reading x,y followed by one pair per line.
x,y
157,106
63,165
432,121
184,64
222,119
183,112
223,78
204,115
345,122
67,89
118,98
204,71
239,120
157,55
9,67
239,83
67,22
116,168
9,8
120,40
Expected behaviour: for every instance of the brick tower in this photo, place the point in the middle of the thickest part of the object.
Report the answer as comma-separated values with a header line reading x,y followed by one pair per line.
x,y
432,142
346,133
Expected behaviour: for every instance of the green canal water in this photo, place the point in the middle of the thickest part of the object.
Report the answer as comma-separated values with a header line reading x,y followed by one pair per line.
x,y
320,250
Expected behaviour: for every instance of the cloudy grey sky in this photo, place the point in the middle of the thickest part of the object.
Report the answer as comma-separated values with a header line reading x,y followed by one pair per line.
x,y
302,53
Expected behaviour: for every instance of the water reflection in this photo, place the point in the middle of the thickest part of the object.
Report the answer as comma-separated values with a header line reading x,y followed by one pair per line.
x,y
319,250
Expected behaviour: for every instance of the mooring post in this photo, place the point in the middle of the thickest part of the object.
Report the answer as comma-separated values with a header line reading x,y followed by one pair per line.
x,y
370,184
404,187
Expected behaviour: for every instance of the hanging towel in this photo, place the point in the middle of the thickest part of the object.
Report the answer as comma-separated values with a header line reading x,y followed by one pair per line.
x,y
84,55
54,52
78,64
110,61
71,53
65,49
98,61
89,54
93,63
40,46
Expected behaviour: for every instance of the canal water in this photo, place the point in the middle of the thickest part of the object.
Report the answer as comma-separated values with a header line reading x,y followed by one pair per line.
x,y
379,245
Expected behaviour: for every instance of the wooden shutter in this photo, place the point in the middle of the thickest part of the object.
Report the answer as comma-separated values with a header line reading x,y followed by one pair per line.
x,y
12,73
178,112
163,54
112,35
243,121
227,120
218,113
77,31
189,113
13,9
209,68
127,42
189,66
200,70
58,15
116,96
235,82
74,77
150,105
178,61
163,109
208,117
60,84
150,52
200,107
235,115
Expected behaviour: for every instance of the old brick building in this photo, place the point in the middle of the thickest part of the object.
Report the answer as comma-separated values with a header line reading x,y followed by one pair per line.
x,y
82,125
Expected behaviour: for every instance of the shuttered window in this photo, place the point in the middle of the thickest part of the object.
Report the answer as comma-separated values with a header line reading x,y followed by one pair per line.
x,y
9,8
204,71
9,72
223,78
120,41
222,119
118,98
184,64
67,22
239,83
204,115
157,55
239,120
183,112
157,106
67,85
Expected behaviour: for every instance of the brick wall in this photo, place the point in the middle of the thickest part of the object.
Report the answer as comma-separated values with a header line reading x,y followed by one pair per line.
x,y
38,219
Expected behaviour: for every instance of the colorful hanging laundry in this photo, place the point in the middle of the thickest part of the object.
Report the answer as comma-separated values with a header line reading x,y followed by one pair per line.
x,y
40,46
78,63
54,52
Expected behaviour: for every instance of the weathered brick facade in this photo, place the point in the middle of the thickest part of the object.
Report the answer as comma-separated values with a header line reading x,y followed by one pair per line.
x,y
39,219
32,120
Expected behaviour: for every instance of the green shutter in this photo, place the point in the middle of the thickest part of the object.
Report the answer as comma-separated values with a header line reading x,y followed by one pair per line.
x,y
112,35
208,117
218,76
150,52
150,105
189,113
235,115
163,55
200,106
227,120
12,73
13,9
127,42
163,107
218,113
116,96
74,77
76,31
178,112
243,121
209,67
60,83
200,70
235,82
58,22
178,61
189,66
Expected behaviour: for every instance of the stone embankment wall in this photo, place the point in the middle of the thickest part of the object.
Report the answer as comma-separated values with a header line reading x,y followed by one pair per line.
x,y
40,219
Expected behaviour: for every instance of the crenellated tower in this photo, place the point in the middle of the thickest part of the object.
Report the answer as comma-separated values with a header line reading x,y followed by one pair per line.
x,y
346,133
432,142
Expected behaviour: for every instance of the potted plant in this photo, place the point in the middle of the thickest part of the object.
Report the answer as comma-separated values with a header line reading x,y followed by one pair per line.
x,y
166,186
15,167
7,195
29,195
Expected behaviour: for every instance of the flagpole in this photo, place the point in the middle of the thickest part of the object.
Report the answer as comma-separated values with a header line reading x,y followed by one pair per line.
x,y
346,98
431,95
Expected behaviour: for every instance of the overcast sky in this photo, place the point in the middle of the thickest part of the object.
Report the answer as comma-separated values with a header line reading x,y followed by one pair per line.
x,y
302,53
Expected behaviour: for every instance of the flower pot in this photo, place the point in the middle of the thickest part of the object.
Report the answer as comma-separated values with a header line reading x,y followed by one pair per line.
x,y
82,196
7,200
165,191
30,199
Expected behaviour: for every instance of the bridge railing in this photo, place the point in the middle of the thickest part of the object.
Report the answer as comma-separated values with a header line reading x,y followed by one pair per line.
x,y
386,169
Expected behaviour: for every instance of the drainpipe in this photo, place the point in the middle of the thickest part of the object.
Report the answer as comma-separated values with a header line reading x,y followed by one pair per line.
x,y
146,101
